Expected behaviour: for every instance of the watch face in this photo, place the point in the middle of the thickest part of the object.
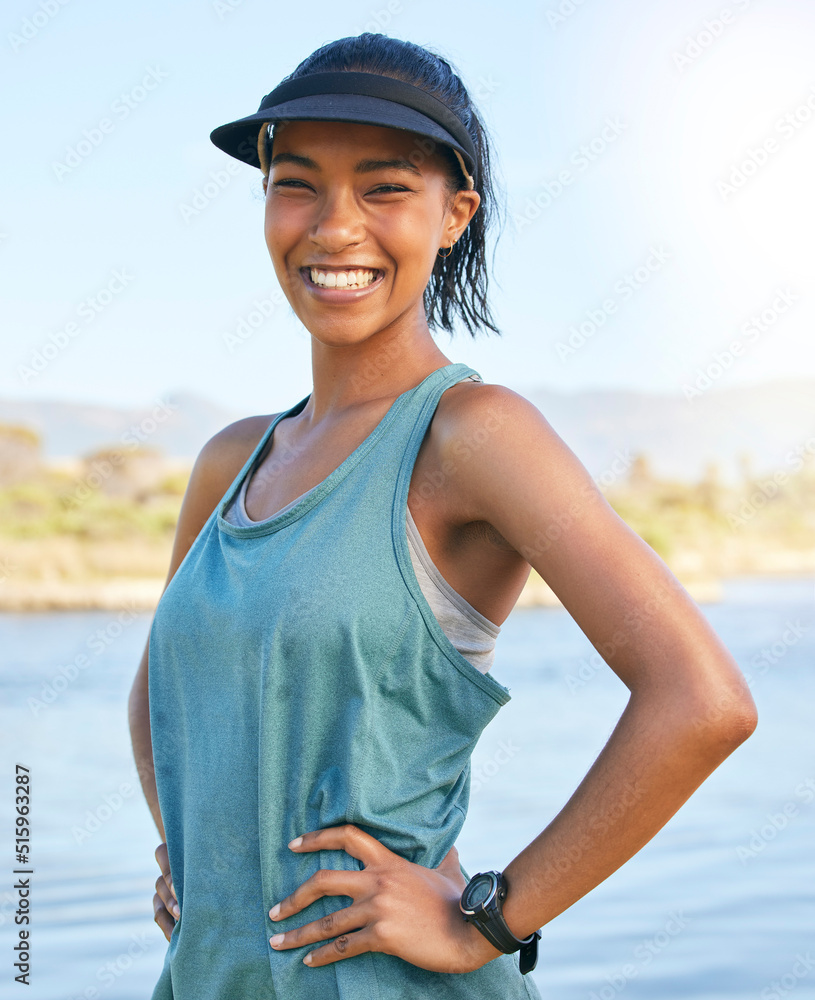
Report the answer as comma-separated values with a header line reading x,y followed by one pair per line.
x,y
479,891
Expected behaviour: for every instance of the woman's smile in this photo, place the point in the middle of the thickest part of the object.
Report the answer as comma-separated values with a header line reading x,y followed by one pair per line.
x,y
341,284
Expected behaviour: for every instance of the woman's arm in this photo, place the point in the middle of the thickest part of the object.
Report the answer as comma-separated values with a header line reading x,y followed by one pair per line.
x,y
206,486
689,707
215,468
139,716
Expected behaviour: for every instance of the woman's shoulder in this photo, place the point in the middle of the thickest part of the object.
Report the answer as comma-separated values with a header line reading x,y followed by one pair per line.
x,y
233,444
498,453
218,463
224,455
479,413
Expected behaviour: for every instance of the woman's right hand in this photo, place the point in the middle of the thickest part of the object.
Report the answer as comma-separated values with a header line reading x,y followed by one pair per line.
x,y
165,903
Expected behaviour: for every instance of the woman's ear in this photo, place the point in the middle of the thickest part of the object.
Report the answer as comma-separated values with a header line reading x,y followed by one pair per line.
x,y
464,206
265,183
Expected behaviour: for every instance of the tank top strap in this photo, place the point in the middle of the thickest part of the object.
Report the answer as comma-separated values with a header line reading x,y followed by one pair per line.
x,y
414,418
235,486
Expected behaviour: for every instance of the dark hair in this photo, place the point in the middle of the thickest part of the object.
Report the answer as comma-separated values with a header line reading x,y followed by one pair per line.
x,y
458,283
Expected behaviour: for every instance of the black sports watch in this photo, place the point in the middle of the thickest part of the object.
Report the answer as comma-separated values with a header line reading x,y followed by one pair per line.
x,y
481,903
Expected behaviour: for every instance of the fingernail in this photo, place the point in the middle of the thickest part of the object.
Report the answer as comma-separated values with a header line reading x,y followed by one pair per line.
x,y
307,959
276,940
296,842
176,910
275,911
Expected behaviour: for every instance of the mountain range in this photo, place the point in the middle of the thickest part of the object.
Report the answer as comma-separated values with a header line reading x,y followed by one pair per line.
x,y
757,428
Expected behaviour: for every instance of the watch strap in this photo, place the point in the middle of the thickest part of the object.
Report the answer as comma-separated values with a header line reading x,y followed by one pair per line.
x,y
529,953
495,930
492,925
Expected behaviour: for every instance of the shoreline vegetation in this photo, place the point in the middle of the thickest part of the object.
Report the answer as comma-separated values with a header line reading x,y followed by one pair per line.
x,y
97,532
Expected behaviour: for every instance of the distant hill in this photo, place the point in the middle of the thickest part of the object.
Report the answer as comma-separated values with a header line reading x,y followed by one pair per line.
x,y
177,423
763,423
760,424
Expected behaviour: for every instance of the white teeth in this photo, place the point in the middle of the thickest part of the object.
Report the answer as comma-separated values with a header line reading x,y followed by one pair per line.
x,y
342,279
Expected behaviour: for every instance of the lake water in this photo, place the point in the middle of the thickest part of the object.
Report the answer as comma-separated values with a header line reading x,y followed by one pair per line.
x,y
718,905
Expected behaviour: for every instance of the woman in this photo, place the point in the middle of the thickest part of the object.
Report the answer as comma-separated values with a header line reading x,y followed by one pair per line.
x,y
319,661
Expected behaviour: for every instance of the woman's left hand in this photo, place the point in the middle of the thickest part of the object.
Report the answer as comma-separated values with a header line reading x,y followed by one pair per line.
x,y
400,908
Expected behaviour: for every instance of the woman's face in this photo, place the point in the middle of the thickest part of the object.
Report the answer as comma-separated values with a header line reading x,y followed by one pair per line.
x,y
355,215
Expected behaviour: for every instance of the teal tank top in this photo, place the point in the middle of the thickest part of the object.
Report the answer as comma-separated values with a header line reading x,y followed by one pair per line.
x,y
298,679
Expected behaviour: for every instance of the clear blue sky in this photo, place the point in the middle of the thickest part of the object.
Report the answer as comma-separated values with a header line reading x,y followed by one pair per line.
x,y
668,97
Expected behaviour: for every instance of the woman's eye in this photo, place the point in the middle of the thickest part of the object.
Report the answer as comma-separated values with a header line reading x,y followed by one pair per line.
x,y
289,182
295,183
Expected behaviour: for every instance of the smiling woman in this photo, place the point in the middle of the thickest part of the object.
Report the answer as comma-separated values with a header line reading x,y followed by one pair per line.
x,y
319,666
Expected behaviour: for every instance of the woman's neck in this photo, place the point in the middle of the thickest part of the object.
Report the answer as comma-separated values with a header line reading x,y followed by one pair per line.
x,y
352,375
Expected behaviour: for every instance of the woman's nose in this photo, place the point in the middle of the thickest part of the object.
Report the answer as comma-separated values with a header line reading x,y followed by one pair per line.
x,y
339,224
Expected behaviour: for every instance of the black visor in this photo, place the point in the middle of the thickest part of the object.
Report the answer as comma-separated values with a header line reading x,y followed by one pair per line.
x,y
364,98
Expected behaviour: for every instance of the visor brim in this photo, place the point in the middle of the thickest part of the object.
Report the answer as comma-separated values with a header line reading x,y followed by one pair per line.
x,y
239,138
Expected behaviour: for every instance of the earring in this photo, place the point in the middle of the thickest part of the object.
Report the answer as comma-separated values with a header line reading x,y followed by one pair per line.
x,y
449,250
